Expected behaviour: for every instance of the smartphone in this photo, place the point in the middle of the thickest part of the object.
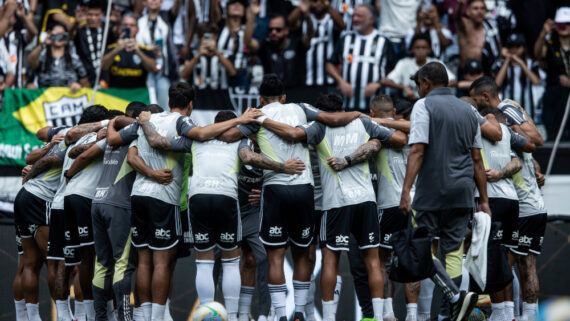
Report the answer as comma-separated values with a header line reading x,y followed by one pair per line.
x,y
126,33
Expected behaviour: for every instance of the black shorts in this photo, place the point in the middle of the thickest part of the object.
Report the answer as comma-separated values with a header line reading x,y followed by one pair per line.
x,y
531,234
155,224
186,239
317,217
19,243
505,211
78,211
56,242
391,220
30,212
360,220
287,215
216,221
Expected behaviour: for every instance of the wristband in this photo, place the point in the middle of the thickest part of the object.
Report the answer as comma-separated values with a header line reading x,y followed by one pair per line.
x,y
348,160
104,123
261,119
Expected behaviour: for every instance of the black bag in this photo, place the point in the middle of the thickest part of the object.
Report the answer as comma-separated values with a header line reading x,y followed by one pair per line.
x,y
412,260
499,272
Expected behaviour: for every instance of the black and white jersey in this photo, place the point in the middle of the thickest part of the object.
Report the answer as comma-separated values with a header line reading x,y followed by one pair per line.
x,y
346,9
15,41
208,73
321,50
232,47
202,10
364,60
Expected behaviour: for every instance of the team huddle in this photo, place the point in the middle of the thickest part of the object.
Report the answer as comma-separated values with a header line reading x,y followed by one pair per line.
x,y
124,194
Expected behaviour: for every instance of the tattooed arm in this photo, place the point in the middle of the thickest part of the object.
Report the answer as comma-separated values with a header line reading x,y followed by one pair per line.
x,y
161,176
513,167
79,131
78,150
42,165
83,159
155,140
361,154
249,157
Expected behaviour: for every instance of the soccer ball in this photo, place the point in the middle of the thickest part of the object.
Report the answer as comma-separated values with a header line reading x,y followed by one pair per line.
x,y
213,311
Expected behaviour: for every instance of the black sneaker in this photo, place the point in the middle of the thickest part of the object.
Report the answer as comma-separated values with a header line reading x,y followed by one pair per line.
x,y
461,309
298,316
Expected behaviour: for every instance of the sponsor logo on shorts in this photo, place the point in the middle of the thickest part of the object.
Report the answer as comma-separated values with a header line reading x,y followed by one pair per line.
x,y
227,237
499,235
515,235
306,233
201,238
69,252
83,231
386,237
135,232
541,240
371,237
341,240
32,228
162,234
275,231
19,241
525,240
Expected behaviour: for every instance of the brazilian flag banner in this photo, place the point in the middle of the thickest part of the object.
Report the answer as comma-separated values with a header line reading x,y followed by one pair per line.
x,y
25,111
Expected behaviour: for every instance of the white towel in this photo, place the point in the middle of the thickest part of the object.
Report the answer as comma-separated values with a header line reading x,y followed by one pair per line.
x,y
476,261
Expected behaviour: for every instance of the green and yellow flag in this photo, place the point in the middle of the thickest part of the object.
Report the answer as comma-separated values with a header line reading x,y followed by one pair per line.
x,y
25,111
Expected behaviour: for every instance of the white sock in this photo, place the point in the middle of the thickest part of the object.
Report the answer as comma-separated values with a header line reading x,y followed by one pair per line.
x,y
377,306
167,316
337,289
262,318
278,293
509,310
89,309
329,311
412,311
157,313
310,306
138,314
301,291
245,297
62,307
79,311
516,295
231,286
425,297
498,311
110,311
205,281
424,316
147,310
529,311
33,310
21,314
388,311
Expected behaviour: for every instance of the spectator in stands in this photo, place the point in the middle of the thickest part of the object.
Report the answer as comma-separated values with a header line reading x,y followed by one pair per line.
x,y
89,39
207,66
56,64
478,39
155,32
361,59
231,42
20,31
346,9
127,61
7,68
284,53
471,71
325,24
553,48
200,11
396,17
428,23
406,67
517,73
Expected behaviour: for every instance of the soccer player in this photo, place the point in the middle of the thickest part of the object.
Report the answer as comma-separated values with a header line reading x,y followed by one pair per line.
x,y
444,128
500,166
348,197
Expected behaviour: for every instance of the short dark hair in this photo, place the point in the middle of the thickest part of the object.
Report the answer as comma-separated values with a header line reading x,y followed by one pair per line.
x,y
370,9
224,115
434,71
275,16
155,108
114,113
484,84
94,4
93,114
207,27
329,102
420,36
404,108
180,95
271,87
469,2
499,115
134,107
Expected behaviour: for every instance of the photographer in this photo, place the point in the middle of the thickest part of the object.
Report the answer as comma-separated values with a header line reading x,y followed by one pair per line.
x,y
56,65
207,66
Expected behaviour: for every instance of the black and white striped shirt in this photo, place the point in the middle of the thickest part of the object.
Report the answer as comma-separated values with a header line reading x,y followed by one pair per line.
x,y
202,10
321,50
364,60
208,73
233,47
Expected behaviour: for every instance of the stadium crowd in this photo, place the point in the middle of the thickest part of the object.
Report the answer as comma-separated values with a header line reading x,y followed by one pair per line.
x,y
395,67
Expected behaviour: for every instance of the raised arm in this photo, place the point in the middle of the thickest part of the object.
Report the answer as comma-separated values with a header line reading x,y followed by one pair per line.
x,y
285,131
37,154
161,176
459,17
251,13
362,153
512,167
249,157
480,181
83,159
